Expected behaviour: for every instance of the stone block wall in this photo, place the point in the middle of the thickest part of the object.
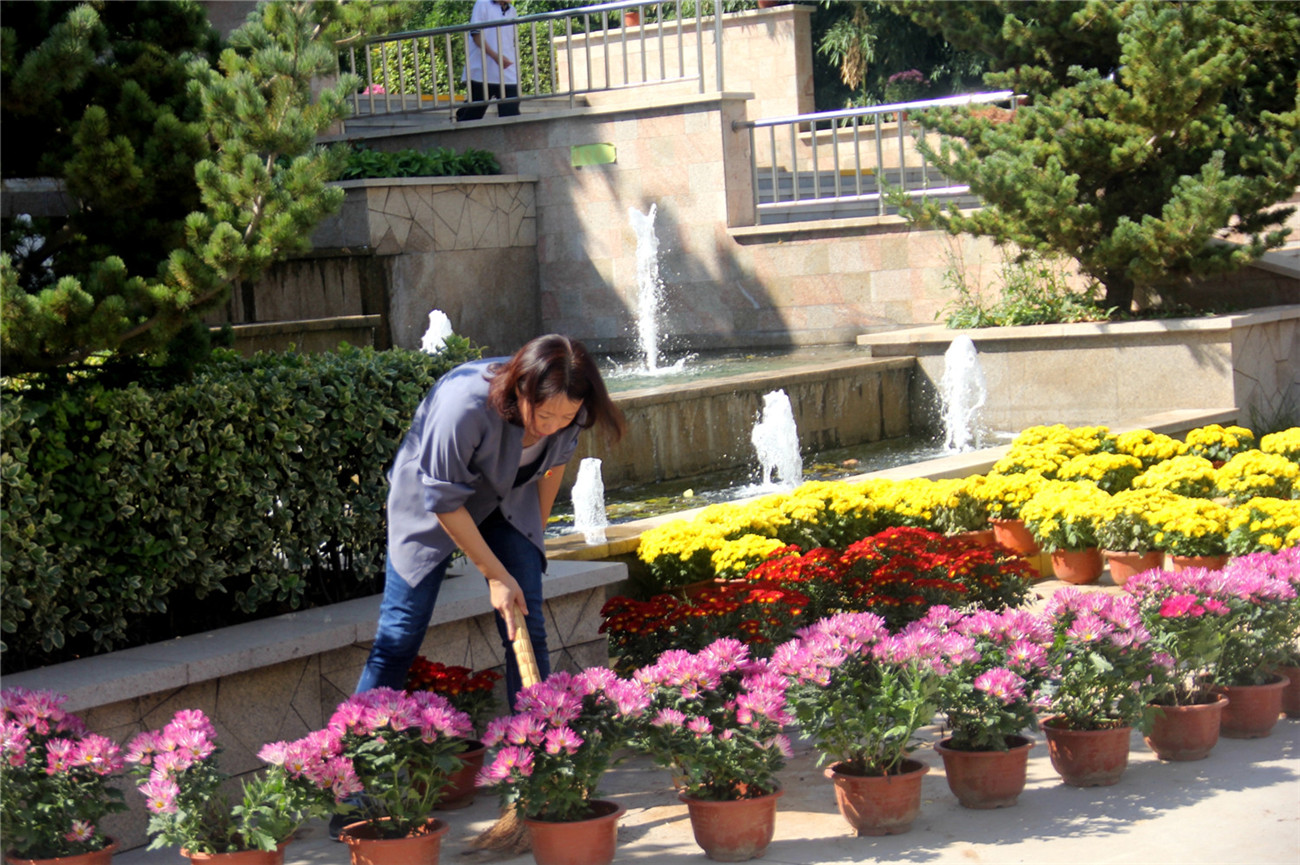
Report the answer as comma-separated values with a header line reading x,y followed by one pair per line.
x,y
401,247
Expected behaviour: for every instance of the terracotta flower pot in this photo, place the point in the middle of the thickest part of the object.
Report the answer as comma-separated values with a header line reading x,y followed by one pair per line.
x,y
978,537
96,857
461,790
1291,693
577,842
1212,563
879,804
1013,535
368,848
1252,710
239,857
1087,758
734,830
986,779
1184,733
1124,564
1077,567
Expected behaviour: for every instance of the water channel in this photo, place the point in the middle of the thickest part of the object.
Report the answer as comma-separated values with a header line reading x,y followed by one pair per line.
x,y
640,501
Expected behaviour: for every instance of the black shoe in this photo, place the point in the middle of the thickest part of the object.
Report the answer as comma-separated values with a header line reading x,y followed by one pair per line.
x,y
338,821
355,810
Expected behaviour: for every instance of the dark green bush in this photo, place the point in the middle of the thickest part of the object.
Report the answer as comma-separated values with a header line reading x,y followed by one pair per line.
x,y
365,163
123,512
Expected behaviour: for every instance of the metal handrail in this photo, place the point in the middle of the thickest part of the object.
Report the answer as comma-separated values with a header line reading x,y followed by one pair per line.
x,y
867,176
404,59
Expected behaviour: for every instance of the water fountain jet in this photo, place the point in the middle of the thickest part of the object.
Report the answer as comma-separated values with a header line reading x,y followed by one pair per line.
x,y
649,287
588,495
435,337
962,393
776,440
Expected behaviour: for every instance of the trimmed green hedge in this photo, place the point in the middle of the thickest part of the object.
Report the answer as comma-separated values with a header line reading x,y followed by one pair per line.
x,y
364,162
122,512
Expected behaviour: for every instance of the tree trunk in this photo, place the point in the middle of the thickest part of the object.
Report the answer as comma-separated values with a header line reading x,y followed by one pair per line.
x,y
1119,291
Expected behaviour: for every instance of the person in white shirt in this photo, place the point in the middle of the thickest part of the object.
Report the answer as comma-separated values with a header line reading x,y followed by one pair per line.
x,y
491,69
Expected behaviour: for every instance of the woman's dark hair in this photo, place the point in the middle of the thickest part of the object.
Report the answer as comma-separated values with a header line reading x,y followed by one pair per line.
x,y
550,366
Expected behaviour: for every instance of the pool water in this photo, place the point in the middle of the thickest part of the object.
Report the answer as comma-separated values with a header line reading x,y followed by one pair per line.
x,y
648,500
622,376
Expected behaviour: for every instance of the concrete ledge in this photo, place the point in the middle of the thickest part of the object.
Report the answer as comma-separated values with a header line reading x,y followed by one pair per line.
x,y
908,341
455,180
144,670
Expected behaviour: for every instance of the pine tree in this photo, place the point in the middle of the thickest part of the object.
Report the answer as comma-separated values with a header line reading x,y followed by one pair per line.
x,y
1149,129
228,171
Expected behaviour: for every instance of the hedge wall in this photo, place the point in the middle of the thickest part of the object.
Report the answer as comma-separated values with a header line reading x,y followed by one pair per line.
x,y
261,481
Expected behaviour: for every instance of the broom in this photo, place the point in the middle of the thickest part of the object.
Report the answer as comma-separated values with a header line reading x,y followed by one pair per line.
x,y
509,834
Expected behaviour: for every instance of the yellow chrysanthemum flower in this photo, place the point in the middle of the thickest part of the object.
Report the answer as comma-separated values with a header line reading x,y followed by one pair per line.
x,y
1215,442
1191,476
1254,473
1285,444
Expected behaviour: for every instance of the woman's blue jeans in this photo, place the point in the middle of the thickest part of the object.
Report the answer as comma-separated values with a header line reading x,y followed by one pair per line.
x,y
405,611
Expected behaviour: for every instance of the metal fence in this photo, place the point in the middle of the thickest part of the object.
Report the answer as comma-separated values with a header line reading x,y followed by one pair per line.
x,y
847,163
563,54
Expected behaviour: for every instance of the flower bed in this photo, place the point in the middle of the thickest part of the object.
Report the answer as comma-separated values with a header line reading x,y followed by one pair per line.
x,y
1257,487
898,574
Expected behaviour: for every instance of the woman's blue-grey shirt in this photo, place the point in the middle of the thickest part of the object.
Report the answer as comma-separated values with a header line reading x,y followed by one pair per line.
x,y
460,451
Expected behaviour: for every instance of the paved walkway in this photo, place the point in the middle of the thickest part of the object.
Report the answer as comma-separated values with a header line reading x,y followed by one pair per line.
x,y
1240,805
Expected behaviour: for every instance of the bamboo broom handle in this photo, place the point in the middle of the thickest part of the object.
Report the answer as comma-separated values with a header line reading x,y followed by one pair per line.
x,y
528,672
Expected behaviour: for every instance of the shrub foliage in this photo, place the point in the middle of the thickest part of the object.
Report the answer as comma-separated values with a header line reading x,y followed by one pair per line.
x,y
122,511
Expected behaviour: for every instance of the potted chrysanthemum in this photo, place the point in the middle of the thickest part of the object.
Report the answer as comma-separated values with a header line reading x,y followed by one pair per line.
x,y
179,776
988,701
1254,474
1184,475
961,510
1186,613
468,691
715,720
1127,533
1263,624
398,751
1111,472
1149,447
1100,664
1283,443
1193,532
1218,443
548,758
861,694
55,780
1063,516
1004,493
1264,525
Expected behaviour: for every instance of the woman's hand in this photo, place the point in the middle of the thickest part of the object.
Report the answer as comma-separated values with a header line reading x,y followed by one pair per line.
x,y
506,597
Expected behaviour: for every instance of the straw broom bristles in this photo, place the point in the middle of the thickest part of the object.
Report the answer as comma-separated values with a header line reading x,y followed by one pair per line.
x,y
508,833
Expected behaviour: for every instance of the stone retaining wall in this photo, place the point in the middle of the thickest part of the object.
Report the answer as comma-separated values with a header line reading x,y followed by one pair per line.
x,y
400,247
1101,373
